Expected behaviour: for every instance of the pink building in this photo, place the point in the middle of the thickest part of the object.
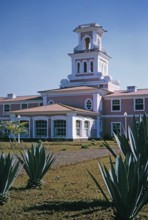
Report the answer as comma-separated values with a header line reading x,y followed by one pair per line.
x,y
88,104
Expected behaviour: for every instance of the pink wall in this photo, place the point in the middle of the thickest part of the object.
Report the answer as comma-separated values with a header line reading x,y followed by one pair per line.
x,y
75,101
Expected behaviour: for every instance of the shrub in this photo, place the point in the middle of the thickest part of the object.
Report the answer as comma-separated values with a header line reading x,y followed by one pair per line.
x,y
84,146
36,163
8,173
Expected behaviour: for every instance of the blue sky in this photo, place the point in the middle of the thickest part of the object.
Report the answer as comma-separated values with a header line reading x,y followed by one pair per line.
x,y
37,35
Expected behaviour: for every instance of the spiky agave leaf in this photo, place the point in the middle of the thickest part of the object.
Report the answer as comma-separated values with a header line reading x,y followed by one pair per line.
x,y
36,163
9,170
125,187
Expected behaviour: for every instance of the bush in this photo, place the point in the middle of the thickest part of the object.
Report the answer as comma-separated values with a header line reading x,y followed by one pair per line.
x,y
8,173
36,163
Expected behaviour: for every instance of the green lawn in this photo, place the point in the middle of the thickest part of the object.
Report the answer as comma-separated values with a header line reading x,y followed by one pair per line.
x,y
68,192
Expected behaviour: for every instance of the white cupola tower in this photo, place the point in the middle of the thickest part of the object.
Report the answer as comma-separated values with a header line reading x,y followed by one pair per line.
x,y
90,60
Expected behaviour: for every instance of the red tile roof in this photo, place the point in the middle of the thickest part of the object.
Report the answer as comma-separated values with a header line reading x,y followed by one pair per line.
x,y
76,88
125,93
52,109
21,98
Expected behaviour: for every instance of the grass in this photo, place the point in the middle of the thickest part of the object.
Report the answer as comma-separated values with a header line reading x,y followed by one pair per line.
x,y
68,192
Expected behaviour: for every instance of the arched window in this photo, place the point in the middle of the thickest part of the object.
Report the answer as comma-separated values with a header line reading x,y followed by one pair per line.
x,y
85,67
78,67
87,43
88,104
91,67
50,102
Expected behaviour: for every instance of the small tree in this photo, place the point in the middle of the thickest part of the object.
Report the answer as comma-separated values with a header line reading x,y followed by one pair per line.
x,y
14,128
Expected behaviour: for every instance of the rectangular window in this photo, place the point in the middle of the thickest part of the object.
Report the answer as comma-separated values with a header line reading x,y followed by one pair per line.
x,y
115,128
78,128
6,108
24,105
41,128
86,128
139,104
116,105
59,128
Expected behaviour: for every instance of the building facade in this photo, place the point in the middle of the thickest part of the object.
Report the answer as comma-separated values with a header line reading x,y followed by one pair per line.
x,y
88,104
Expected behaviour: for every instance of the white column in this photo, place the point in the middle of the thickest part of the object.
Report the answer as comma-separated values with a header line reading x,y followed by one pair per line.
x,y
45,100
70,126
97,102
98,127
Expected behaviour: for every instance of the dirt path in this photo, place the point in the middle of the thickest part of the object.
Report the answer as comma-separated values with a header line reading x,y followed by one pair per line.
x,y
72,157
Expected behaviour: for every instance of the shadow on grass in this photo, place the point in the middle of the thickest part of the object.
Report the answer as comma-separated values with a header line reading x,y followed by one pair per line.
x,y
17,189
87,207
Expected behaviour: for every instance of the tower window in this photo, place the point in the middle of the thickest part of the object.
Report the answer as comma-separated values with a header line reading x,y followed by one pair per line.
x,y
85,67
87,43
91,67
78,67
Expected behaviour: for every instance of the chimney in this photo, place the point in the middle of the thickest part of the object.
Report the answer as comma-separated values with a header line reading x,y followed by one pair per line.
x,y
131,88
11,96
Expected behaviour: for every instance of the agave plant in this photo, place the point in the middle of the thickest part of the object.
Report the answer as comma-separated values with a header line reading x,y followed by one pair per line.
x,y
137,141
127,178
36,163
9,169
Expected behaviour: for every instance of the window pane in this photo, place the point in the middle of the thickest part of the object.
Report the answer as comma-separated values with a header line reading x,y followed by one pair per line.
x,y
41,128
85,67
78,67
139,104
89,104
59,128
24,105
78,128
6,108
91,66
86,128
115,105
116,128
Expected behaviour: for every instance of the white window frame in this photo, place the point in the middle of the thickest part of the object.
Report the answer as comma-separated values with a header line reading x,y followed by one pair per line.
x,y
78,130
87,130
39,118
116,105
142,103
55,118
